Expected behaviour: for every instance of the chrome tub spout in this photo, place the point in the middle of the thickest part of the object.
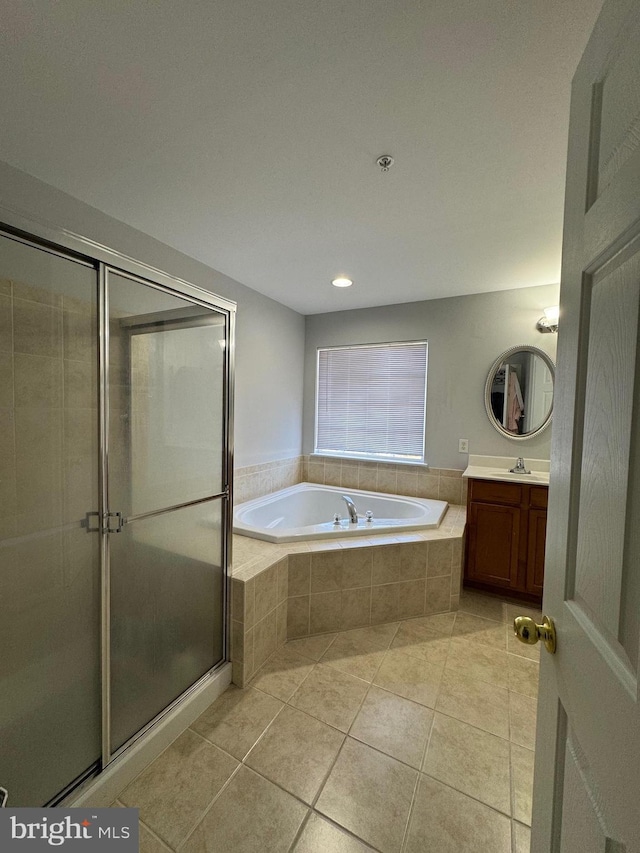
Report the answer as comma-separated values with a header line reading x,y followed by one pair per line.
x,y
351,507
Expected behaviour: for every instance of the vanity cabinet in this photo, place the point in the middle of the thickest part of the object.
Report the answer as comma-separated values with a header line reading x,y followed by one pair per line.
x,y
505,539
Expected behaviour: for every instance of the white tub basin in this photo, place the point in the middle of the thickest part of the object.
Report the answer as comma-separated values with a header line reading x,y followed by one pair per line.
x,y
306,511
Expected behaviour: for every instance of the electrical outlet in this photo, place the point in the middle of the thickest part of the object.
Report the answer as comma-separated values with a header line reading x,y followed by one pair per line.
x,y
463,445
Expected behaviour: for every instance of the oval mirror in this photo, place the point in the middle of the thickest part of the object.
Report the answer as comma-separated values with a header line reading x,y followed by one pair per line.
x,y
518,394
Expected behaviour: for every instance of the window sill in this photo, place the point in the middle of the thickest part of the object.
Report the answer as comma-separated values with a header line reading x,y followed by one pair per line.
x,y
356,459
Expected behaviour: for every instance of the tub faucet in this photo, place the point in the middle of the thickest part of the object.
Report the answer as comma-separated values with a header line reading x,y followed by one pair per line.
x,y
519,467
353,513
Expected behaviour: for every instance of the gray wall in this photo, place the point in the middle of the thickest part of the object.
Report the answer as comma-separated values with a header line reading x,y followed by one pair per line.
x,y
465,334
270,337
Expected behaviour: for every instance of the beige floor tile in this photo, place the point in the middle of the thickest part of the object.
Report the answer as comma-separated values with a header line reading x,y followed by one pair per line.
x,y
521,837
393,725
446,821
488,606
475,702
476,660
320,836
296,752
283,673
149,843
370,795
409,677
480,630
359,652
252,815
236,719
422,642
522,781
523,650
440,622
470,760
522,720
361,666
523,676
312,647
174,791
331,696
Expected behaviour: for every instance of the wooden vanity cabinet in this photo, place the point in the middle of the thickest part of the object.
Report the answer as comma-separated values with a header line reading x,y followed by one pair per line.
x,y
506,529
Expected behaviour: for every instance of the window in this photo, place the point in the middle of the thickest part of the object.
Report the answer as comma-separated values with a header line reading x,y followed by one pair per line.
x,y
371,401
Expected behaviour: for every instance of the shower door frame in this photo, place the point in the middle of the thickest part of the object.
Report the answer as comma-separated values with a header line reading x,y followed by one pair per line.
x,y
102,258
108,754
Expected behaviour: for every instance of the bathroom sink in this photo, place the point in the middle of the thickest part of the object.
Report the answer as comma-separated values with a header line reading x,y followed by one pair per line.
x,y
533,477
502,474
497,468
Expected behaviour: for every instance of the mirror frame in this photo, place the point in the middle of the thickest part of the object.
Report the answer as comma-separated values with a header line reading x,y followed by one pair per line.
x,y
489,383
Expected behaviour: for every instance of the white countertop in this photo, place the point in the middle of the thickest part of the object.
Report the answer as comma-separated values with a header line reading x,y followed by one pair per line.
x,y
497,468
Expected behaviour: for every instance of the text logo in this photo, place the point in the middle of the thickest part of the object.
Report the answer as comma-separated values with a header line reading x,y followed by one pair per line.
x,y
69,830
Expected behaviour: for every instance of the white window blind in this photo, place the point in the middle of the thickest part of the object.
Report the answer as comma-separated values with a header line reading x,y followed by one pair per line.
x,y
371,401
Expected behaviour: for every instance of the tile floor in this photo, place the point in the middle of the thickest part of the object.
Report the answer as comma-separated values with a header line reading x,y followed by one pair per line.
x,y
403,738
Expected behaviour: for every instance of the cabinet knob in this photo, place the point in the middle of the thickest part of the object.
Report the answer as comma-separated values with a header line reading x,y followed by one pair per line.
x,y
528,631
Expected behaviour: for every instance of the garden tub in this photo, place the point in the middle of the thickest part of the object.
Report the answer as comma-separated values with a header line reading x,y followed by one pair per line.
x,y
307,511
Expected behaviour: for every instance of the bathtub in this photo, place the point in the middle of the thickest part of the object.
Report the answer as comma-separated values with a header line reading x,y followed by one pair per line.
x,y
306,511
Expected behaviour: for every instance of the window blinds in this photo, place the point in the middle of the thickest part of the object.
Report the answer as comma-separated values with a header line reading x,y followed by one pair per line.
x,y
371,401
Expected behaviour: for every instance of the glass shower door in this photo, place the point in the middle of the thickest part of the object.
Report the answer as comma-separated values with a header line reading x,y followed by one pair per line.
x,y
166,495
49,556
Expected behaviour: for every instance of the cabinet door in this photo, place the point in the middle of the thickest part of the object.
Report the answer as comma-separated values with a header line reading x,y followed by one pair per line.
x,y
535,561
494,537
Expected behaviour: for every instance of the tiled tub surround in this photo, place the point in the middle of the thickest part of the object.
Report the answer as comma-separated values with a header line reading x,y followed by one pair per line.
x,y
282,592
254,481
420,481
415,481
403,738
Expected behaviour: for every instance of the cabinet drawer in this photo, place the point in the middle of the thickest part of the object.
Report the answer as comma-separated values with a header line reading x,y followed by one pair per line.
x,y
493,491
539,496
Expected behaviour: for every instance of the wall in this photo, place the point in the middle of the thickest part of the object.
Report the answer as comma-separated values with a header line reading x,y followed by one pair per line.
x,y
270,337
465,334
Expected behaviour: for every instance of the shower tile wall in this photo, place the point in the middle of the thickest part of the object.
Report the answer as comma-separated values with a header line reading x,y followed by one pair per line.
x,y
48,420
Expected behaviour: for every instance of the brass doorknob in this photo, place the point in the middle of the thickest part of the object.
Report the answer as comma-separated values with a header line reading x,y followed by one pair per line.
x,y
528,631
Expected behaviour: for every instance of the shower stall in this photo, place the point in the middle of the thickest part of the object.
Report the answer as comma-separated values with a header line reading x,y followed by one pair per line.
x,y
115,475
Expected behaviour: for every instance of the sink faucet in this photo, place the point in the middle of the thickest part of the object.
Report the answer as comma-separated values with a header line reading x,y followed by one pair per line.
x,y
519,467
353,513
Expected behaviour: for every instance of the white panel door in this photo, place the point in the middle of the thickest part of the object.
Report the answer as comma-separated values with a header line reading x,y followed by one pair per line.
x,y
587,782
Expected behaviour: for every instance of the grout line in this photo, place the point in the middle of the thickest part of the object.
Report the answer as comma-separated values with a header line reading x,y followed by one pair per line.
x,y
327,774
346,831
405,834
468,796
164,843
512,793
300,831
208,808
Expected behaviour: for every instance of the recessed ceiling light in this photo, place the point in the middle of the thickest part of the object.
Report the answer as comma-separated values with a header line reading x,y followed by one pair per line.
x,y
341,281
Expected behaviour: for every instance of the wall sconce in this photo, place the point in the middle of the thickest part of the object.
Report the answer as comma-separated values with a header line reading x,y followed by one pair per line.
x,y
549,323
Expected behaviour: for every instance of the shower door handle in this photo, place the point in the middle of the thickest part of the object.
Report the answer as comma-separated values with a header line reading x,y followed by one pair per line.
x,y
87,524
119,522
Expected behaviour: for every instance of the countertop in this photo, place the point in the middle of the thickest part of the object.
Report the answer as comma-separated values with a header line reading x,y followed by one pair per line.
x,y
497,468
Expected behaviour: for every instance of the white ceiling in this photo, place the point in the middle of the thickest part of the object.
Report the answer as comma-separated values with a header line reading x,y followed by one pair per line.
x,y
245,133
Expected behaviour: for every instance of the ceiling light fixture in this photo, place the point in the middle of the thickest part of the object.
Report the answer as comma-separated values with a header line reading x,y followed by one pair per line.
x,y
342,281
549,323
